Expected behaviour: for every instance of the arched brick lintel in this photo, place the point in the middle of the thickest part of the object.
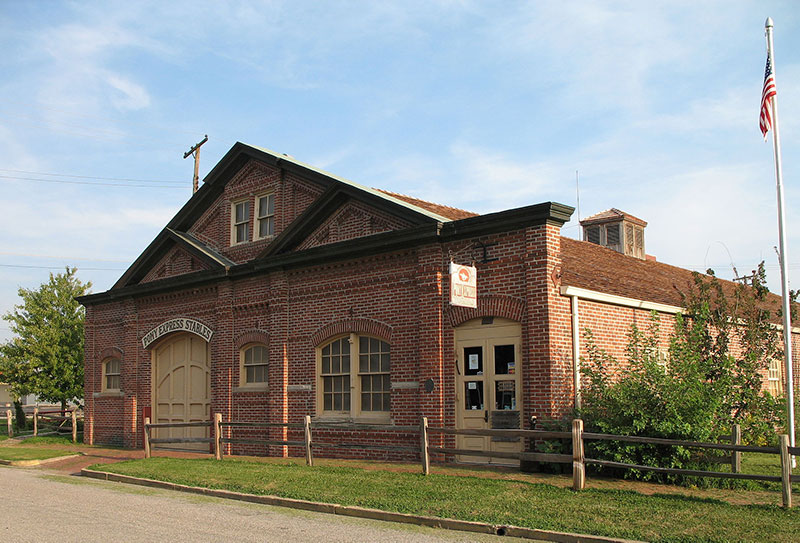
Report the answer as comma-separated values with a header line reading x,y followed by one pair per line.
x,y
110,352
506,307
251,336
360,326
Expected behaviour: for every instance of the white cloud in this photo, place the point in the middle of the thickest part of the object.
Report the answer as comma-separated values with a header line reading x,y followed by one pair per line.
x,y
131,95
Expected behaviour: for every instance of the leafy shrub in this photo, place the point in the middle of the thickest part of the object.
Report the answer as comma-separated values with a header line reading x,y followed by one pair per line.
x,y
710,380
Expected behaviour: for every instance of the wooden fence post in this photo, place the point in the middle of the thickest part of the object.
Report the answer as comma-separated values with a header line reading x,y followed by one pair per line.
x,y
307,439
736,456
424,455
218,436
74,427
35,421
147,437
578,464
786,471
10,424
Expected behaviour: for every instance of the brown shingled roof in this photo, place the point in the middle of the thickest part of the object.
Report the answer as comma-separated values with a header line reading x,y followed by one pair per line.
x,y
593,267
451,213
610,214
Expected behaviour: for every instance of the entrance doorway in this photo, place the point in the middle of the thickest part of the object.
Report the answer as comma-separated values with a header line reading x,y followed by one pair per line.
x,y
182,389
488,386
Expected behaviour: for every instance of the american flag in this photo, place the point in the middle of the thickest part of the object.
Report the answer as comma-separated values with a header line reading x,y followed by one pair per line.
x,y
765,119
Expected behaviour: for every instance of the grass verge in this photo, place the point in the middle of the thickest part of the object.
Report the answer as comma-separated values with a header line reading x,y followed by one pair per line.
x,y
616,513
24,453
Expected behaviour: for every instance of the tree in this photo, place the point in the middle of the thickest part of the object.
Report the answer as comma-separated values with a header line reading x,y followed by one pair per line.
x,y
46,355
720,347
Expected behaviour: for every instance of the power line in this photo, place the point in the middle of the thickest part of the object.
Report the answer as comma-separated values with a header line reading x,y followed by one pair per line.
x,y
17,178
67,257
57,267
92,177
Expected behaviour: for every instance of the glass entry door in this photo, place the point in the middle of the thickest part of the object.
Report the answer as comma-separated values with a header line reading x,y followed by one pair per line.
x,y
488,386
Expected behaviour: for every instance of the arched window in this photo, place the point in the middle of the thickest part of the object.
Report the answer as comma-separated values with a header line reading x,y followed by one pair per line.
x,y
354,377
253,365
112,368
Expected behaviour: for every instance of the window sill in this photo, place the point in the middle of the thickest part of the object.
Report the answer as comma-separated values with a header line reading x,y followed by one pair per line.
x,y
260,387
108,394
360,419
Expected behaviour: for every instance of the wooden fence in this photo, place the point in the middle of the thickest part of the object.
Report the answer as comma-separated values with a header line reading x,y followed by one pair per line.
x,y
577,436
61,416
579,460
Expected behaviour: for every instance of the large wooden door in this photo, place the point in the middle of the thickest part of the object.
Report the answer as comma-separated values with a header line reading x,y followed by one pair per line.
x,y
488,386
182,388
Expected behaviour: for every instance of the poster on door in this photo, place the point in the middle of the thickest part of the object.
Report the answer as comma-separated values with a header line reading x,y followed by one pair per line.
x,y
463,285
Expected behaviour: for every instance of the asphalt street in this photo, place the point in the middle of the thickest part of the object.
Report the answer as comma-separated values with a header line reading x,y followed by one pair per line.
x,y
45,506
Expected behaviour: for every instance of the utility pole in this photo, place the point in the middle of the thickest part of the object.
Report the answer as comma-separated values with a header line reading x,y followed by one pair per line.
x,y
195,150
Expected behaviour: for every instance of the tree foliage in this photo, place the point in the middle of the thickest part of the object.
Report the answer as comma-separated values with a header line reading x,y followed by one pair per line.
x,y
46,355
710,378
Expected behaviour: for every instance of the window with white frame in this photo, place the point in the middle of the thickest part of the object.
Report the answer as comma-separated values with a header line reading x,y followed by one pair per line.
x,y
253,365
240,218
265,216
775,378
350,388
111,374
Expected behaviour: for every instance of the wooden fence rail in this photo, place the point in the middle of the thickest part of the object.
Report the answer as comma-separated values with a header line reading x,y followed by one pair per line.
x,y
579,460
57,415
577,437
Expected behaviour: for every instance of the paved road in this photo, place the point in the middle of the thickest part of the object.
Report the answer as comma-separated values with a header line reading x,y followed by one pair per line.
x,y
46,506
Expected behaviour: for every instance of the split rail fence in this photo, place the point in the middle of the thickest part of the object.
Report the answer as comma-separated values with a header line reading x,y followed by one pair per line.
x,y
577,436
61,417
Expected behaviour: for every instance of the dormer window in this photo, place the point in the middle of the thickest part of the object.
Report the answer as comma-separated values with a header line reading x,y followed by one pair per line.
x,y
265,216
240,213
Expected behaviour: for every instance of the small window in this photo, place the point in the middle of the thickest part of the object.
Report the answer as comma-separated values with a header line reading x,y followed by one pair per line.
x,y
265,216
111,375
254,365
775,378
241,222
612,234
593,234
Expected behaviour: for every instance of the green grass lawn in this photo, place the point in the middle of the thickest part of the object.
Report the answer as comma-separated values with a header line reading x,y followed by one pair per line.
x,y
29,453
619,513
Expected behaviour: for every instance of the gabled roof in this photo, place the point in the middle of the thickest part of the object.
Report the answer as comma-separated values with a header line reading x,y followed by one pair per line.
x,y
610,215
159,247
414,210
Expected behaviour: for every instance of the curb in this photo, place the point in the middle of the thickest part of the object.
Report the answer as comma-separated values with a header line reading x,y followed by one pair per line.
x,y
362,512
29,463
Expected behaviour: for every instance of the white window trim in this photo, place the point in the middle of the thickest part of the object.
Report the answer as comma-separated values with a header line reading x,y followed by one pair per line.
x,y
355,415
234,224
243,384
257,218
104,367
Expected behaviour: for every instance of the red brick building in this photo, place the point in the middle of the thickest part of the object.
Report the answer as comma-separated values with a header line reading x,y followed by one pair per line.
x,y
280,291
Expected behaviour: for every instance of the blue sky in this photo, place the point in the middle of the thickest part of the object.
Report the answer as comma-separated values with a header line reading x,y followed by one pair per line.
x,y
480,105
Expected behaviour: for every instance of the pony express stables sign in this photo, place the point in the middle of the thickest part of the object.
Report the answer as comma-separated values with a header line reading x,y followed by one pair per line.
x,y
181,324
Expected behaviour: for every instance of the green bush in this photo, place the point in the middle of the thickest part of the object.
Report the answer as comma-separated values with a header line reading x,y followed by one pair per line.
x,y
696,392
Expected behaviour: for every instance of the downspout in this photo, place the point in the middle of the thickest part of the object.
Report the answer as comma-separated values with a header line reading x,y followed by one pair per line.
x,y
576,352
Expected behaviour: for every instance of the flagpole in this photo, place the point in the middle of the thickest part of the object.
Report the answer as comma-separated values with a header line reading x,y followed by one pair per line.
x,y
787,319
